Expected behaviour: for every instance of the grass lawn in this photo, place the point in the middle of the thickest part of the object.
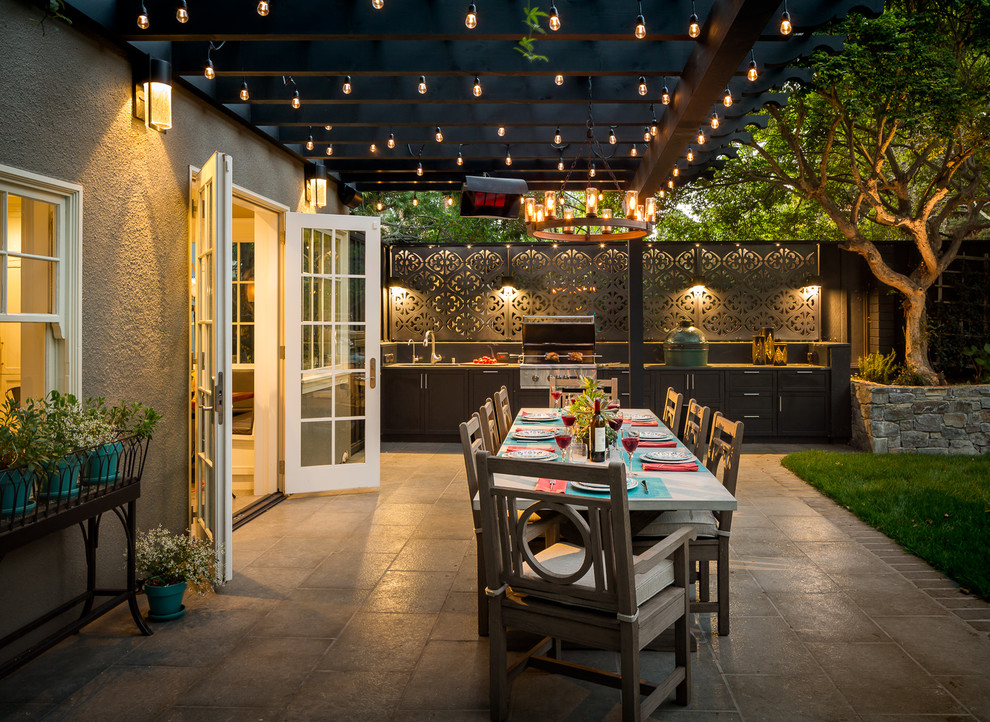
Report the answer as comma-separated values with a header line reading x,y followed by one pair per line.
x,y
936,507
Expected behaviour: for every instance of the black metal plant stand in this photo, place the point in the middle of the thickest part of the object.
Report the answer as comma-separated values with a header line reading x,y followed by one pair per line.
x,y
105,484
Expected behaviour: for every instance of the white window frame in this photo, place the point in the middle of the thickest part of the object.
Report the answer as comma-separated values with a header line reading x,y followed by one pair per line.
x,y
65,368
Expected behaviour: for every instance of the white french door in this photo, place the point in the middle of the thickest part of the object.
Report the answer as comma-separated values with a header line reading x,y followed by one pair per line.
x,y
211,250
332,344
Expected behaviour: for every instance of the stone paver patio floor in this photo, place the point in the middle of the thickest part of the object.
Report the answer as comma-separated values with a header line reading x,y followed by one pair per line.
x,y
361,607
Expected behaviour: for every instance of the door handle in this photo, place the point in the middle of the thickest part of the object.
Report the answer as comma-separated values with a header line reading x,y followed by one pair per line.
x,y
751,394
780,403
218,397
372,378
426,382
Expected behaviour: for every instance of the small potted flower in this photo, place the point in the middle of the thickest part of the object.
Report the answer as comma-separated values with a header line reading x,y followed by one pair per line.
x,y
24,449
125,419
169,563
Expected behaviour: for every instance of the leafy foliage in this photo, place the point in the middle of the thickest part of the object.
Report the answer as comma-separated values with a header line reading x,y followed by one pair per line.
x,y
164,558
527,44
583,408
981,361
877,368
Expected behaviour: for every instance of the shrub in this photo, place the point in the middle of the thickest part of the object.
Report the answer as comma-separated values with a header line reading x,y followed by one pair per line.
x,y
877,368
981,361
164,558
907,377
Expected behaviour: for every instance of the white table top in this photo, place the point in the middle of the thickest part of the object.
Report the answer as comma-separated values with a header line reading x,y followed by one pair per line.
x,y
687,489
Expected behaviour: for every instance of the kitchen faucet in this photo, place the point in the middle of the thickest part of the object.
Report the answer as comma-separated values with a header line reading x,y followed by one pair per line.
x,y
415,358
433,350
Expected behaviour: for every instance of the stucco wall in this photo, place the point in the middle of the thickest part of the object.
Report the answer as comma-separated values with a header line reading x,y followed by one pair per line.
x,y
65,112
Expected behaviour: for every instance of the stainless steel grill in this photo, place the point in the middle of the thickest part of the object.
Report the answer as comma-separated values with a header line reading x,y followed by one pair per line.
x,y
556,346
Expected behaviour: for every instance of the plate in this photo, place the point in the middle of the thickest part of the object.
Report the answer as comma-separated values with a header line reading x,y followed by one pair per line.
x,y
663,435
531,454
529,418
532,434
670,455
631,483
638,417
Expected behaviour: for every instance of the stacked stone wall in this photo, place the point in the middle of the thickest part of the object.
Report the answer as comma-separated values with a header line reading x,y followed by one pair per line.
x,y
921,419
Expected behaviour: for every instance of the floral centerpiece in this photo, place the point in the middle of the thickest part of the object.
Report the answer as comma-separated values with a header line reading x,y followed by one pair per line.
x,y
583,408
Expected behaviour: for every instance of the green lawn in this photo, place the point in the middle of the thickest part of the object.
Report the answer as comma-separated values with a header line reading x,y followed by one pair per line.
x,y
937,507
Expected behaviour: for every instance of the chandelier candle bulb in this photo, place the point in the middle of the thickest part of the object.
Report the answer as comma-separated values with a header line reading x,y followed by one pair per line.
x,y
530,209
591,201
569,216
606,214
550,203
651,209
629,204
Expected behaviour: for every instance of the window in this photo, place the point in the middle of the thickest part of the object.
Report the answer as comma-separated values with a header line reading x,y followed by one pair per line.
x,y
40,284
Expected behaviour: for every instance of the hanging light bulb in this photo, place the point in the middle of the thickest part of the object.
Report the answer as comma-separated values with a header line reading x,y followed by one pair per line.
x,y
508,156
665,94
785,21
471,19
653,126
379,206
662,192
560,164
633,152
309,143
143,21
419,168
460,157
676,171
330,149
347,87
557,137
391,141
611,136
642,85
448,201
373,148
558,79
690,154
377,5
438,134
476,88
296,102
727,99
554,19
591,171
182,12
701,137
694,27
715,121
415,200
422,85
328,127
670,183
753,72
263,8
501,131
245,93
640,30
209,72
647,134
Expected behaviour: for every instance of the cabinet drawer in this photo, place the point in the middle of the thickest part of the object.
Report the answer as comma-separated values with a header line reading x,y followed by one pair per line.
x,y
748,379
755,423
749,401
806,379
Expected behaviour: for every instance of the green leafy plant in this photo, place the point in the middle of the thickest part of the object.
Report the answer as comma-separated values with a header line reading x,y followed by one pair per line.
x,y
163,558
70,424
134,418
981,361
907,377
23,441
527,43
877,368
583,408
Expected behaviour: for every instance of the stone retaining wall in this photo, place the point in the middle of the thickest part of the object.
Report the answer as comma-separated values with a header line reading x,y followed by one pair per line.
x,y
922,419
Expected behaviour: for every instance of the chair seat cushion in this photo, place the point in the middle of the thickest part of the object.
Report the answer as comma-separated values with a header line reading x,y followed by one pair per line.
x,y
564,558
668,522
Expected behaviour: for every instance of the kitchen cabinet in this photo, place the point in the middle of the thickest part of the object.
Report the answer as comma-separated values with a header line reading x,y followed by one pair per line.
x,y
424,404
802,402
485,382
749,397
702,385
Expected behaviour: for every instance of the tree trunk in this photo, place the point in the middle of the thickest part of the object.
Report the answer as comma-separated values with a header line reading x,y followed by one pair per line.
x,y
916,337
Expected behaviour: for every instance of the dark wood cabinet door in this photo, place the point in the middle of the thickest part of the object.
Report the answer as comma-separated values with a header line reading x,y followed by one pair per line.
x,y
706,389
402,401
445,401
485,382
678,380
802,414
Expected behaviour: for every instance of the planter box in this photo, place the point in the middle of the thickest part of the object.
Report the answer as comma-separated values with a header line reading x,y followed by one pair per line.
x,y
921,419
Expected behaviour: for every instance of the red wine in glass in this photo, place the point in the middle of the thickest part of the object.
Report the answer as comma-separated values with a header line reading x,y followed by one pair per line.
x,y
630,442
612,405
568,419
563,441
615,422
555,395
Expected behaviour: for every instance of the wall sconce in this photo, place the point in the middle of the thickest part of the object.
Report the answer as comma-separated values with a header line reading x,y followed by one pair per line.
x,y
152,97
812,284
316,185
394,285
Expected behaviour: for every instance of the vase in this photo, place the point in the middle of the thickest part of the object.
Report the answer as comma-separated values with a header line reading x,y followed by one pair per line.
x,y
165,602
16,486
102,465
60,480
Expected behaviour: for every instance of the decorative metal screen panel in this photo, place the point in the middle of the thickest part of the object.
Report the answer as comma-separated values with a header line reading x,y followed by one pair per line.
x,y
456,291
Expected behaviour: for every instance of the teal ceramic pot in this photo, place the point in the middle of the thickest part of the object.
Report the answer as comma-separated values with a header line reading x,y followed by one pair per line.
x,y
165,603
16,486
103,465
60,480
685,346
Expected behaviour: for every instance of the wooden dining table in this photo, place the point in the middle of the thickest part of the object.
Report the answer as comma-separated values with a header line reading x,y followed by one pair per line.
x,y
663,490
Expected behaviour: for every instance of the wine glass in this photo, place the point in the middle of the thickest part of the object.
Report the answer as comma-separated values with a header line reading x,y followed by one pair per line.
x,y
616,424
555,395
563,439
630,441
568,419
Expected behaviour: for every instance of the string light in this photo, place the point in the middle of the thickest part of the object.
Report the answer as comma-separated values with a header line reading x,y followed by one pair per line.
x,y
715,121
554,19
690,154
471,19
670,183
501,131
752,73
347,87
640,30
379,206
330,149
558,79
263,8
448,201
676,171
633,151
373,148
419,168
182,12
647,134
391,141
560,163
785,21
143,21
209,72
328,127
727,100
422,85
642,85
611,136
245,93
557,137
508,156
415,200
653,125
476,88
460,158
665,94
438,134
694,27
591,171
377,5
309,143
701,137
296,102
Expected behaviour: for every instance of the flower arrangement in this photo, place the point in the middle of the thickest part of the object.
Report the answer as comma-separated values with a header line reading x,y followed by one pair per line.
x,y
163,558
583,408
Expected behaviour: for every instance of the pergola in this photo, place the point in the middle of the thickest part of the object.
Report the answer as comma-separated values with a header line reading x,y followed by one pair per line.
x,y
310,50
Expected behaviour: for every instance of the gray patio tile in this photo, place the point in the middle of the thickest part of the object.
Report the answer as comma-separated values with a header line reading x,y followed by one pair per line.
x,y
24,710
763,645
942,645
972,691
808,528
886,595
349,695
293,551
827,618
386,642
787,698
400,513
431,555
789,575
311,613
264,582
843,557
449,675
183,713
746,598
416,592
343,570
381,538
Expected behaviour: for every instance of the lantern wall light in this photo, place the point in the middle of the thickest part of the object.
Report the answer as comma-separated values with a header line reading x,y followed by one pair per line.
x,y
152,96
316,185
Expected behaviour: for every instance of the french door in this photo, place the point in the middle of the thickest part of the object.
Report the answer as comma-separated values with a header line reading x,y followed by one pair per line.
x,y
211,224
332,344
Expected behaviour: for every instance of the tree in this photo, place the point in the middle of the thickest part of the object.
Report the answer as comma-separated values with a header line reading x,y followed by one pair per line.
x,y
892,139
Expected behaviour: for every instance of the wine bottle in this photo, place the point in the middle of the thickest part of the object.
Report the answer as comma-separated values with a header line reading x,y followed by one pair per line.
x,y
596,452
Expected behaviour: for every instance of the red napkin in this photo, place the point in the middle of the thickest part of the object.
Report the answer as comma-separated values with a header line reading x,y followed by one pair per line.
x,y
559,485
645,423
665,444
670,467
528,448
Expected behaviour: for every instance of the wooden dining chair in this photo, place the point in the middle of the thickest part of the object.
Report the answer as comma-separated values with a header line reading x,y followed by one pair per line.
x,y
572,388
594,593
489,426
503,413
712,528
671,416
697,428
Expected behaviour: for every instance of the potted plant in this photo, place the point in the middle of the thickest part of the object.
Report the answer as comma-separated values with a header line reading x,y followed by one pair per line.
x,y
125,419
23,449
169,563
583,408
70,426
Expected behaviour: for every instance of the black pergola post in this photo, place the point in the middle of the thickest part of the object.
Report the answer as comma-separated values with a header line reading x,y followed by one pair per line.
x,y
635,249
